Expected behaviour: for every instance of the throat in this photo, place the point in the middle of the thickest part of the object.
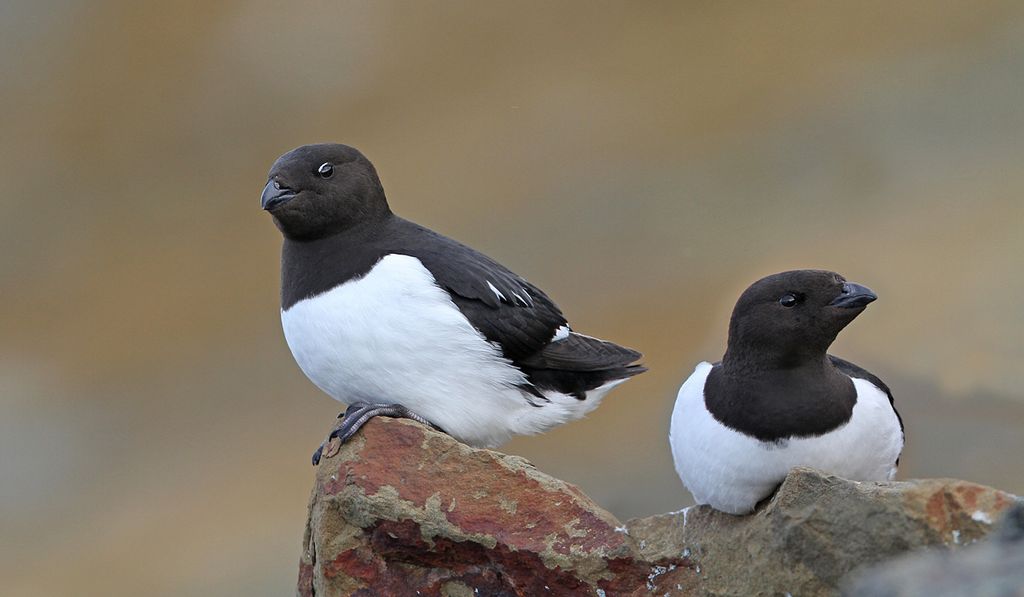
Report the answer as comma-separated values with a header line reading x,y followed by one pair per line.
x,y
309,268
775,404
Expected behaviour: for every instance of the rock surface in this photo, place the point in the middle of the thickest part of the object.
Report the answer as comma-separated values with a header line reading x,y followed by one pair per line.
x,y
816,529
405,510
402,508
993,568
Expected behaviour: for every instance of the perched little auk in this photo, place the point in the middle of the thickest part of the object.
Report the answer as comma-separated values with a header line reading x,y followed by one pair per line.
x,y
394,319
777,399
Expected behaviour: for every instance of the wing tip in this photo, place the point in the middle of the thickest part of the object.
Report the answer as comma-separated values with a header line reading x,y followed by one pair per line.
x,y
626,372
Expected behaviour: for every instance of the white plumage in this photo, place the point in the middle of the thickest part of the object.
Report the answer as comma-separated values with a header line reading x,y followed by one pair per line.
x,y
394,336
733,472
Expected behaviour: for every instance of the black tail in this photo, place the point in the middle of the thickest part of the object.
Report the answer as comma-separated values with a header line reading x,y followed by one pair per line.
x,y
578,364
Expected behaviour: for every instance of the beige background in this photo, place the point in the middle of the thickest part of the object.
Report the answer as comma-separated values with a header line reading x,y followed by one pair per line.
x,y
642,162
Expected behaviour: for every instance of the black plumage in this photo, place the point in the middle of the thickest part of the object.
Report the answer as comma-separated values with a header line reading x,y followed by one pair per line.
x,y
776,380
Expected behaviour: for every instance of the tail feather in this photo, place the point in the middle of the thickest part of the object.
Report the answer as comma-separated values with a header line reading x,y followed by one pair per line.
x,y
579,363
578,352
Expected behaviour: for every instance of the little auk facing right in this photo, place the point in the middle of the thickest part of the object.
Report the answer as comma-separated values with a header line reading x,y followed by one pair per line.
x,y
777,399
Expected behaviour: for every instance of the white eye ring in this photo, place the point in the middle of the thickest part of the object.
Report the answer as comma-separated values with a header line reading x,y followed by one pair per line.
x,y
325,170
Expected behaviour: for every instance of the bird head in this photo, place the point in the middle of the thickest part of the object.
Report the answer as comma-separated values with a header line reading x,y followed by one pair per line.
x,y
318,190
790,317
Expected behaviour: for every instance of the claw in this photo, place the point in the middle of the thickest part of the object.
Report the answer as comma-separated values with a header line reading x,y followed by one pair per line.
x,y
333,447
354,417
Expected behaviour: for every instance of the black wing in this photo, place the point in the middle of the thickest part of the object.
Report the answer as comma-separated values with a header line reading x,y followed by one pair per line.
x,y
860,373
520,319
508,310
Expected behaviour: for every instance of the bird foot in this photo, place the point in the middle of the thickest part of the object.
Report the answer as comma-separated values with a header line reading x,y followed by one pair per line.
x,y
354,417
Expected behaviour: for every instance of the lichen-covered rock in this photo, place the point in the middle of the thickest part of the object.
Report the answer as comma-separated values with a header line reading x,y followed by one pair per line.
x,y
405,510
816,529
991,568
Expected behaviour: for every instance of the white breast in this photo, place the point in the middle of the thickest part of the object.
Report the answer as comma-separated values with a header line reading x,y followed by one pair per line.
x,y
395,336
732,472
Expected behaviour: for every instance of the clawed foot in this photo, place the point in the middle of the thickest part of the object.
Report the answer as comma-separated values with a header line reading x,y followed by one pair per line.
x,y
354,417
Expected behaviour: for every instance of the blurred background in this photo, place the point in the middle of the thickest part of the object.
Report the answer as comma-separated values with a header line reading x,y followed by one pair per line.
x,y
642,162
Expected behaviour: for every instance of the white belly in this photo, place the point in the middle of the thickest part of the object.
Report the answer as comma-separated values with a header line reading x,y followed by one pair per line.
x,y
394,336
732,472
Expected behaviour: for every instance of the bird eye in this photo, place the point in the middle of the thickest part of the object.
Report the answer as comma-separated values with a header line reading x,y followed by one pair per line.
x,y
788,300
325,170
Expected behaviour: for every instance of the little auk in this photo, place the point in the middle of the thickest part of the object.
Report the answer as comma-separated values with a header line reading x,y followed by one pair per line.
x,y
394,319
777,399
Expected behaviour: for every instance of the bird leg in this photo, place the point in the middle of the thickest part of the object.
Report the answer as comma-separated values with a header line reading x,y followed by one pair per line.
x,y
355,416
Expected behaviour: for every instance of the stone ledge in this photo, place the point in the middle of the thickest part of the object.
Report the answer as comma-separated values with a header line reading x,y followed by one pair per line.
x,y
405,510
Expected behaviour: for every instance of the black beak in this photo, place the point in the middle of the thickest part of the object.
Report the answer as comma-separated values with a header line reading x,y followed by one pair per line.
x,y
854,295
274,194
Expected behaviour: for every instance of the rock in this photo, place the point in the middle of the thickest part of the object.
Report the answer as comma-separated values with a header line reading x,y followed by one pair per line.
x,y
816,529
991,568
405,510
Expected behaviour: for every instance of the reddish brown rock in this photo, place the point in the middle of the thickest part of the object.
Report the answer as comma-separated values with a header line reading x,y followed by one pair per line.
x,y
405,510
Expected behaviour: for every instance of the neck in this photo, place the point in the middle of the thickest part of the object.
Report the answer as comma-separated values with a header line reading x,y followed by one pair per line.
x,y
309,267
771,402
756,363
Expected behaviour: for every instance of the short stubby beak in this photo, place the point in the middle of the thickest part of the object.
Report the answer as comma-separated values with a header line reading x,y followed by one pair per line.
x,y
854,295
274,194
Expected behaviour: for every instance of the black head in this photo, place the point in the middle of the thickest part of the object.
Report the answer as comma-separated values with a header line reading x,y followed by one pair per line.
x,y
789,318
318,190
